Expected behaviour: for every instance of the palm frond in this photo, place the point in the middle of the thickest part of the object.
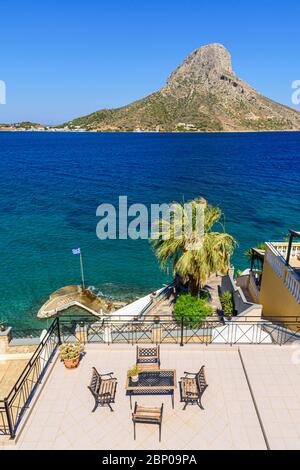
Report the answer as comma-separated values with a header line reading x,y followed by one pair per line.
x,y
193,256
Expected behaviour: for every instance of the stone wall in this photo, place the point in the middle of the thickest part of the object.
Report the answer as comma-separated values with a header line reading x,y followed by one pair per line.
x,y
8,345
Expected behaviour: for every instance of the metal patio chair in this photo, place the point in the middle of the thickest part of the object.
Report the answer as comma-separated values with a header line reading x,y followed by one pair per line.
x,y
192,386
103,390
147,415
148,358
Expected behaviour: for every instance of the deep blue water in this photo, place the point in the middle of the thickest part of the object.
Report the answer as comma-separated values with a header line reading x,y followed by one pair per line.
x,y
51,185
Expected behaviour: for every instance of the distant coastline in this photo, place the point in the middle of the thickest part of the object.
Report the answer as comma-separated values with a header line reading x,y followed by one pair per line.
x,y
64,130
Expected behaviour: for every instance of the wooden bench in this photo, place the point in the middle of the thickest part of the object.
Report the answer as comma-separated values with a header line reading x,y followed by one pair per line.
x,y
147,415
103,390
148,358
192,387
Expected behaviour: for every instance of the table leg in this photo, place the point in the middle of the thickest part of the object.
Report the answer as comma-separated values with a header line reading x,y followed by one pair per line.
x,y
172,399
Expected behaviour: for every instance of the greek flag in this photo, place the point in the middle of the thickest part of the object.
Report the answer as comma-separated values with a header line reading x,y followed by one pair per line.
x,y
76,251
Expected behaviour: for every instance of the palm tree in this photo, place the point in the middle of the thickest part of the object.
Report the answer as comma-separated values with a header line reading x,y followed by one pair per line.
x,y
200,253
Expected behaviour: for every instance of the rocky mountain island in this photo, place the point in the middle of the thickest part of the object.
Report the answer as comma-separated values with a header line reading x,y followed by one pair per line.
x,y
202,94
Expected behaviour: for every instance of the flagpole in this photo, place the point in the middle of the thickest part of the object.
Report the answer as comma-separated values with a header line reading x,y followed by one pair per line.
x,y
81,268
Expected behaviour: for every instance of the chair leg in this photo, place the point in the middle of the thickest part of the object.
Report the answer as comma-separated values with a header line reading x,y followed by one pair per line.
x,y
185,405
95,407
110,407
134,435
200,404
160,433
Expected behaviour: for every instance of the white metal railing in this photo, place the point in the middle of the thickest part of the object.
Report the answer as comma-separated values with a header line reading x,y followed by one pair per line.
x,y
274,256
282,248
275,260
293,285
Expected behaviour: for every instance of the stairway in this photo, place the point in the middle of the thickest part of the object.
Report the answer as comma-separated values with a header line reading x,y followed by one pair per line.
x,y
163,309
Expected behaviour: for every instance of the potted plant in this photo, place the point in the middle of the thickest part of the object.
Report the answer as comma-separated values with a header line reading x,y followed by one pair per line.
x,y
2,326
70,354
133,373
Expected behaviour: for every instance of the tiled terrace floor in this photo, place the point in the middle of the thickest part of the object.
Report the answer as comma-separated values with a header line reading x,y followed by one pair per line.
x,y
274,374
62,418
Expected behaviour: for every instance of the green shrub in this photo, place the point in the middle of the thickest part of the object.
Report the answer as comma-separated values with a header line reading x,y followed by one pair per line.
x,y
227,302
204,295
192,310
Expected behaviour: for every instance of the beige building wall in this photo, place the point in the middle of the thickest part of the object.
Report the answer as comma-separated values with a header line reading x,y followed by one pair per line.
x,y
276,299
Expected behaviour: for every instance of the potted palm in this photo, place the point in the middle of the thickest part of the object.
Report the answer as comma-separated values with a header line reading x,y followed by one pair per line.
x,y
133,373
70,354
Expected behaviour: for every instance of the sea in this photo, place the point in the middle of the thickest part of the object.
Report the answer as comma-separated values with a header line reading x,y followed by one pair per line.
x,y
52,184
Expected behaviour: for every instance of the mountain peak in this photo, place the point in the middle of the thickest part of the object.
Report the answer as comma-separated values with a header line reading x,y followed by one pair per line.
x,y
202,94
202,62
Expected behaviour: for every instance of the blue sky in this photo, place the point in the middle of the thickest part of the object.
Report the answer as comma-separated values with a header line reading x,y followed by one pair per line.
x,y
65,59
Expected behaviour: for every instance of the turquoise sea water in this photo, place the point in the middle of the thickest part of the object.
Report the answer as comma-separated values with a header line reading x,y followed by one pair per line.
x,y
52,183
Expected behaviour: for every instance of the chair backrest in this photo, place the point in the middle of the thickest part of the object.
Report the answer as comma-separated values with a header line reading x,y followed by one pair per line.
x,y
95,383
147,354
147,414
201,381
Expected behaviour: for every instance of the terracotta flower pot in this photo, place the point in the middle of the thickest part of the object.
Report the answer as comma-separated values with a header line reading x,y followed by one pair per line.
x,y
72,363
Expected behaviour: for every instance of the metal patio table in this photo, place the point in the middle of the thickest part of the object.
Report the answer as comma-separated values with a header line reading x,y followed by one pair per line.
x,y
156,382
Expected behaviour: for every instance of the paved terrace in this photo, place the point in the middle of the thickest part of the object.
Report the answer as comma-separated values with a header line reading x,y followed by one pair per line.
x,y
61,417
10,371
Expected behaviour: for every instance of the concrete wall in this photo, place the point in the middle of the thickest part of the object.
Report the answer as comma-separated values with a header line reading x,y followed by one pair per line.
x,y
247,282
244,308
